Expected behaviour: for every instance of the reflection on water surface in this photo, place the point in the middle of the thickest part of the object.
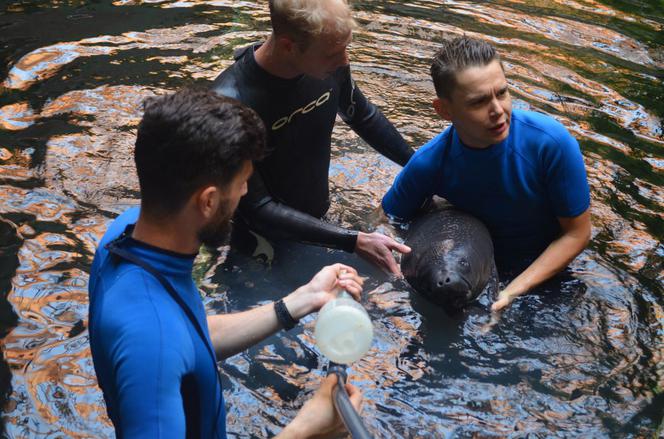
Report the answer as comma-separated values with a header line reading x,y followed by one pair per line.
x,y
580,357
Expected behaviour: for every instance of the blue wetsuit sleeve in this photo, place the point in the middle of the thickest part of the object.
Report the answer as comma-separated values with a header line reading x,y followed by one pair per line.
x,y
146,365
565,174
276,220
411,188
368,122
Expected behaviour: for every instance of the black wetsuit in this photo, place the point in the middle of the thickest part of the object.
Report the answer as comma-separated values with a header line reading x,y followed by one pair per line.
x,y
288,192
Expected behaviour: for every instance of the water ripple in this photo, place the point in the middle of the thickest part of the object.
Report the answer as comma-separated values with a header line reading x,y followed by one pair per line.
x,y
580,357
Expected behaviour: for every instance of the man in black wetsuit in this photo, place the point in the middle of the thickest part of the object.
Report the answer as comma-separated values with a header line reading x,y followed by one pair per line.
x,y
297,81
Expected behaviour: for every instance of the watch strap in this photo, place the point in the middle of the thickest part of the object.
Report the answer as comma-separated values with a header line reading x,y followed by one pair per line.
x,y
284,317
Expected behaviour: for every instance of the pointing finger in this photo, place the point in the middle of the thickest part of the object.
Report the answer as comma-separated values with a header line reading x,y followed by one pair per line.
x,y
392,264
499,304
401,248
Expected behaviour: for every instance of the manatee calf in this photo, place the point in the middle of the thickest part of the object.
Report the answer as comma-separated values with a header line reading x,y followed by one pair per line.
x,y
451,261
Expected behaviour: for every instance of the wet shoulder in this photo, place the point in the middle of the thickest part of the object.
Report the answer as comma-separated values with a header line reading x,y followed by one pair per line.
x,y
229,82
431,153
100,262
134,304
235,79
341,76
540,139
133,327
105,270
540,129
129,216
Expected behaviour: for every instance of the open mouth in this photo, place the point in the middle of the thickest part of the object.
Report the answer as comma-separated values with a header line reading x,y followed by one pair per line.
x,y
499,129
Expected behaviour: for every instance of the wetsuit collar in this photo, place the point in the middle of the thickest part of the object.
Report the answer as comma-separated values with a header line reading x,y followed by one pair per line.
x,y
166,261
490,151
251,67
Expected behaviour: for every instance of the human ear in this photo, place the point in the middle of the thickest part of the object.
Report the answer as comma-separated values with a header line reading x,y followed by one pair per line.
x,y
208,201
287,44
441,105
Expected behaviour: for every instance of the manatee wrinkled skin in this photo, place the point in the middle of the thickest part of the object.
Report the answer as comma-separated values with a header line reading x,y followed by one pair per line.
x,y
451,261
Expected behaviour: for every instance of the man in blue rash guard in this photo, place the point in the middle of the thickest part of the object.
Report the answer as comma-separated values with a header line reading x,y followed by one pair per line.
x,y
154,349
298,80
520,172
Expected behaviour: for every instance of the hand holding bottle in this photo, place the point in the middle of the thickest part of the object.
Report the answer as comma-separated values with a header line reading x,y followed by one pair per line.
x,y
323,287
343,330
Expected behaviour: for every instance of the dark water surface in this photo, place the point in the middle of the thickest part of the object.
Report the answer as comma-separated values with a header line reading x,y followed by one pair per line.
x,y
583,357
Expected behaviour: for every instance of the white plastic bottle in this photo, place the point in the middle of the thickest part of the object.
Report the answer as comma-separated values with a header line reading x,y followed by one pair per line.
x,y
343,330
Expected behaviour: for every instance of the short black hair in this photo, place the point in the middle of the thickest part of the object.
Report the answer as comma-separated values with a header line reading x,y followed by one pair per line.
x,y
189,139
456,55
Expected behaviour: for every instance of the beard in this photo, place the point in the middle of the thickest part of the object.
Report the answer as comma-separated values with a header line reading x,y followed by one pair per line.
x,y
218,231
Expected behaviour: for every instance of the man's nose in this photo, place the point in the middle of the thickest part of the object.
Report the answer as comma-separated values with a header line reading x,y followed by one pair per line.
x,y
496,109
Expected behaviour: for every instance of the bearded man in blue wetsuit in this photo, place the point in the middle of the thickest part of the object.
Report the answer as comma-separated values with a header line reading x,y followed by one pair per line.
x,y
298,80
154,350
520,172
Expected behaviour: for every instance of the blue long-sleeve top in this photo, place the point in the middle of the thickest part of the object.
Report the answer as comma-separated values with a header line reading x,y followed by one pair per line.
x,y
518,187
158,376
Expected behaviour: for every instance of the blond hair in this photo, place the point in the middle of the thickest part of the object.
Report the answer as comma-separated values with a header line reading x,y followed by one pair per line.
x,y
303,20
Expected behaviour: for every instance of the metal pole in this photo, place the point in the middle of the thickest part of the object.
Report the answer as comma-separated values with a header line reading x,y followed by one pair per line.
x,y
346,411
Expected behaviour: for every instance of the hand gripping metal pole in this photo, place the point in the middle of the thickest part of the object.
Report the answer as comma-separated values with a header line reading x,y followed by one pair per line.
x,y
349,416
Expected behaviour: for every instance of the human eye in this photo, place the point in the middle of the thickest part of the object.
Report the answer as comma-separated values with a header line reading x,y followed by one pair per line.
x,y
478,102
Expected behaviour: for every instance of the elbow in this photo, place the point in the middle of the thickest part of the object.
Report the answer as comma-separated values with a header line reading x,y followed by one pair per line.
x,y
578,231
256,215
586,233
586,238
581,239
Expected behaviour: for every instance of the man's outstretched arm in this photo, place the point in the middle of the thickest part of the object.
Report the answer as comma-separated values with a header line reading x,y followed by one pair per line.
x,y
233,333
574,238
273,219
568,190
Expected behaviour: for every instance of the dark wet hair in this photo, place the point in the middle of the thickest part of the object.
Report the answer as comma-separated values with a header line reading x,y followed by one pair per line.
x,y
456,55
190,139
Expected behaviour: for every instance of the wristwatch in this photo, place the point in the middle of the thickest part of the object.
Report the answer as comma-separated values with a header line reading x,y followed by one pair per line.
x,y
284,317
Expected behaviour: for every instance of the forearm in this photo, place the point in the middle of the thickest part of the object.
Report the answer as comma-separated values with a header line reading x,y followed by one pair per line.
x,y
233,333
294,430
554,259
276,220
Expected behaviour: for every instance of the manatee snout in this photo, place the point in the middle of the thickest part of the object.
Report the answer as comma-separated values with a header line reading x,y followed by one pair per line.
x,y
449,289
451,260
